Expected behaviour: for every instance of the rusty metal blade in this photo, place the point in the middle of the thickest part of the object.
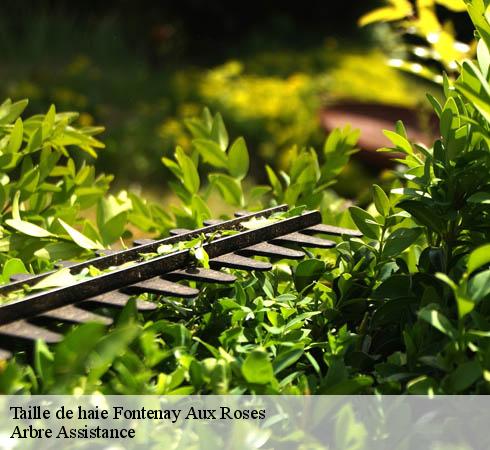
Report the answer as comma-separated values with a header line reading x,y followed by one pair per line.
x,y
212,222
203,275
21,329
234,261
330,229
119,276
177,231
120,257
62,264
21,276
272,251
160,286
118,299
143,241
106,252
304,240
73,314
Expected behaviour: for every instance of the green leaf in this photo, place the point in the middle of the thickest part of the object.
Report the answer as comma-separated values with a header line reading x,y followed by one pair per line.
x,y
57,251
15,140
28,228
463,377
257,368
478,258
108,349
399,142
453,5
381,200
473,85
211,152
60,278
230,188
172,166
400,129
480,198
435,104
286,358
365,222
200,209
308,272
35,141
197,128
43,359
10,111
70,356
479,286
438,321
15,206
477,10
112,229
13,266
29,180
48,122
397,10
423,214
349,387
190,176
274,182
399,240
483,57
79,238
219,133
238,160
257,222
201,256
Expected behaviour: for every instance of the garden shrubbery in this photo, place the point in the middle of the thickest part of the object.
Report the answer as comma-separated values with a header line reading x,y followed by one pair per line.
x,y
402,310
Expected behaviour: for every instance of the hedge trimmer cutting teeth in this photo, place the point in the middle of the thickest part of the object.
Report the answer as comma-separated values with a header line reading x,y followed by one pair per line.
x,y
156,267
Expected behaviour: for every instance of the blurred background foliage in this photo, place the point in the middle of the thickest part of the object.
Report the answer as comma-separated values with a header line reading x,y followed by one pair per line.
x,y
139,68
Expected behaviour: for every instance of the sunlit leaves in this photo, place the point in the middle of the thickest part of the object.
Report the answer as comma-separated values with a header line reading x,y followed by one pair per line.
x,y
13,266
257,368
16,137
229,187
79,238
308,272
473,85
422,18
190,176
28,228
211,152
365,222
438,321
60,278
40,189
112,216
478,258
395,10
381,200
9,112
238,159
477,9
399,240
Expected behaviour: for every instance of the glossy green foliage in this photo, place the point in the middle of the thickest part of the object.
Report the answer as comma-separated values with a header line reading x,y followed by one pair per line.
x,y
47,185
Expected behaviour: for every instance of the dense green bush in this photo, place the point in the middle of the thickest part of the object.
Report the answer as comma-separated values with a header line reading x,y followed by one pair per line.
x,y
405,309
43,192
53,204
